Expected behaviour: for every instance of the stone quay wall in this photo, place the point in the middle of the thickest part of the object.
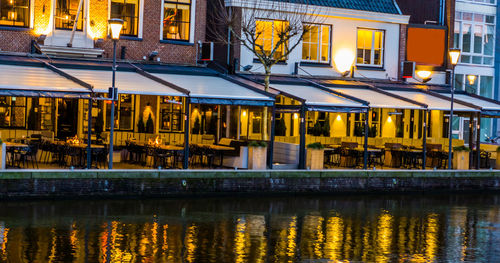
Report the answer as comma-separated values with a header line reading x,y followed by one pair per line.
x,y
175,183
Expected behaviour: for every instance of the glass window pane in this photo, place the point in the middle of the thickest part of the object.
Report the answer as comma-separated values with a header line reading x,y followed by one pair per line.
x,y
467,16
128,11
15,13
378,40
489,40
459,81
478,39
314,52
490,19
486,88
487,61
66,14
176,21
466,37
305,51
325,50
465,59
478,18
477,60
471,88
456,35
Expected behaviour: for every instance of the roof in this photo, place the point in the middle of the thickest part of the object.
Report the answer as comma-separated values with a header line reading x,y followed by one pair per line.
x,y
317,97
434,102
377,99
380,6
488,106
37,79
127,82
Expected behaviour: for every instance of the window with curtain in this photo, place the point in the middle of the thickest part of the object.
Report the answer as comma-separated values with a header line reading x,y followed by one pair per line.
x,y
128,11
66,14
268,34
316,43
474,34
176,19
370,51
15,13
124,113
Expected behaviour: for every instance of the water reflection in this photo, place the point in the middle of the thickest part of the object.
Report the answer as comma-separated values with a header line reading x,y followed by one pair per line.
x,y
332,229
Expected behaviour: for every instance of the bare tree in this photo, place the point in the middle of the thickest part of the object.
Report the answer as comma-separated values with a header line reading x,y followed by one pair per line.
x,y
269,29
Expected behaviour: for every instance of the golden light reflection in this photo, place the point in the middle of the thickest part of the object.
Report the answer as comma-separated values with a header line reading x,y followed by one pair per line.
x,y
431,237
384,237
191,243
3,243
334,238
240,241
291,239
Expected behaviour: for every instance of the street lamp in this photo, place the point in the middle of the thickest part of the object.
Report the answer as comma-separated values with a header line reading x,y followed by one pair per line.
x,y
115,25
454,57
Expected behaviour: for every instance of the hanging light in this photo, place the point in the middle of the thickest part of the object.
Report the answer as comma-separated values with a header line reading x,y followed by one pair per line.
x,y
116,26
471,79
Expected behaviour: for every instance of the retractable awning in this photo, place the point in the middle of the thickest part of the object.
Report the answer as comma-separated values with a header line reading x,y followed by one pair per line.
x,y
127,82
320,100
32,81
432,101
488,107
216,90
377,99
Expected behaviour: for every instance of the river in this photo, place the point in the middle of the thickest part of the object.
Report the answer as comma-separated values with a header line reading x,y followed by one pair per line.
x,y
336,228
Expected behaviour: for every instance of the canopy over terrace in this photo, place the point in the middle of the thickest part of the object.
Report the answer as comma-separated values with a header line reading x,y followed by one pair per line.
x,y
489,107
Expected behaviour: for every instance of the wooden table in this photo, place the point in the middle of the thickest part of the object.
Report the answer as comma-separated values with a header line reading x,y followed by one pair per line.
x,y
11,147
220,149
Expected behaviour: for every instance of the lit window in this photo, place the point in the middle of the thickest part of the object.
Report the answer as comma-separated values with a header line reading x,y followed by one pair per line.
x,y
124,113
171,114
12,112
128,11
15,13
176,19
474,35
268,34
316,43
370,47
66,14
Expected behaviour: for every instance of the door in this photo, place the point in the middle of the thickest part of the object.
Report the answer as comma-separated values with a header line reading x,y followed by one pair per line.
x,y
67,118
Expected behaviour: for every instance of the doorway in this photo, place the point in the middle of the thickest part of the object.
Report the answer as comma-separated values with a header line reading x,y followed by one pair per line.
x,y
67,120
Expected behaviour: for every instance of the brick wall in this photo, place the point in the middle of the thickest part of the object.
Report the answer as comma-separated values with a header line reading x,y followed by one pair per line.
x,y
403,29
19,41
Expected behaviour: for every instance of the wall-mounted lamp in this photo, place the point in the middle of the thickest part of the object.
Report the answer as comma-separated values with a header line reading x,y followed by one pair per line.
x,y
295,116
152,55
338,117
471,79
344,61
244,113
389,119
395,113
424,75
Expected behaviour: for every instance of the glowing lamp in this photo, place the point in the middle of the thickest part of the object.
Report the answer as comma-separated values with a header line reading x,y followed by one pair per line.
x,y
471,79
172,29
425,75
116,26
389,119
12,15
454,56
295,116
344,59
244,113
338,117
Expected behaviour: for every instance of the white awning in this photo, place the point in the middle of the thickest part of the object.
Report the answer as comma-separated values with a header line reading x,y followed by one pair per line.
x,y
484,104
126,82
377,99
317,97
433,102
31,80
212,87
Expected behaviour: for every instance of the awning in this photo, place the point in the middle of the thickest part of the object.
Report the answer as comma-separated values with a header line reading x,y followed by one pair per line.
x,y
216,90
433,102
319,100
377,99
30,81
127,82
488,107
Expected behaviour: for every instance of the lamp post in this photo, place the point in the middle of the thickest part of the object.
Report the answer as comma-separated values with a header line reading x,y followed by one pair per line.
x,y
116,27
454,57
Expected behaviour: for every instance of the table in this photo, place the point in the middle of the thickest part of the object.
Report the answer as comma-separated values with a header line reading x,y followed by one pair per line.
x,y
12,148
220,149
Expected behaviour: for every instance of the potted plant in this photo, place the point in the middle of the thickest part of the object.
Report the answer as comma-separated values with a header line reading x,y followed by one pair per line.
x,y
461,158
257,155
326,127
140,126
150,125
196,126
315,156
280,127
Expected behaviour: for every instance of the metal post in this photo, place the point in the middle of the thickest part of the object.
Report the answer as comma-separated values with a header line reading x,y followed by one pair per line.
x,y
450,122
112,117
365,150
271,139
302,146
424,142
478,142
185,163
89,135
471,140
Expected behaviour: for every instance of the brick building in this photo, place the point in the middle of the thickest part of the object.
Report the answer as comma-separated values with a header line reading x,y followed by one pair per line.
x,y
170,27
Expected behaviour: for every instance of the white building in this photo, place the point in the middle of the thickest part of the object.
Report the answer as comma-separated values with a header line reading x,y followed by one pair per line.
x,y
368,32
475,26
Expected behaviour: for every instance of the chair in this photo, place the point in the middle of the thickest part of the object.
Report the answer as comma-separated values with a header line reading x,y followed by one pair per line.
x,y
29,154
207,139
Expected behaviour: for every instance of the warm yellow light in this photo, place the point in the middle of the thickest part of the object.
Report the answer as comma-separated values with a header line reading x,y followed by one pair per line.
x,y
244,113
295,116
454,55
12,15
424,74
389,119
471,79
116,27
344,59
338,117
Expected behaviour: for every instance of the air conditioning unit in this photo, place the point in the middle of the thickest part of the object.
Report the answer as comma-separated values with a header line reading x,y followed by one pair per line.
x,y
408,69
207,51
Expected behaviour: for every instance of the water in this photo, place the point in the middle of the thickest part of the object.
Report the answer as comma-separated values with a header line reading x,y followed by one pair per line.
x,y
368,228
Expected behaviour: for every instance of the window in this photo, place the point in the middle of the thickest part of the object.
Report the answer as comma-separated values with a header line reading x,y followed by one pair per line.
x,y
316,43
128,10
481,1
15,13
171,114
12,112
268,34
66,14
370,47
474,34
124,113
483,85
176,19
